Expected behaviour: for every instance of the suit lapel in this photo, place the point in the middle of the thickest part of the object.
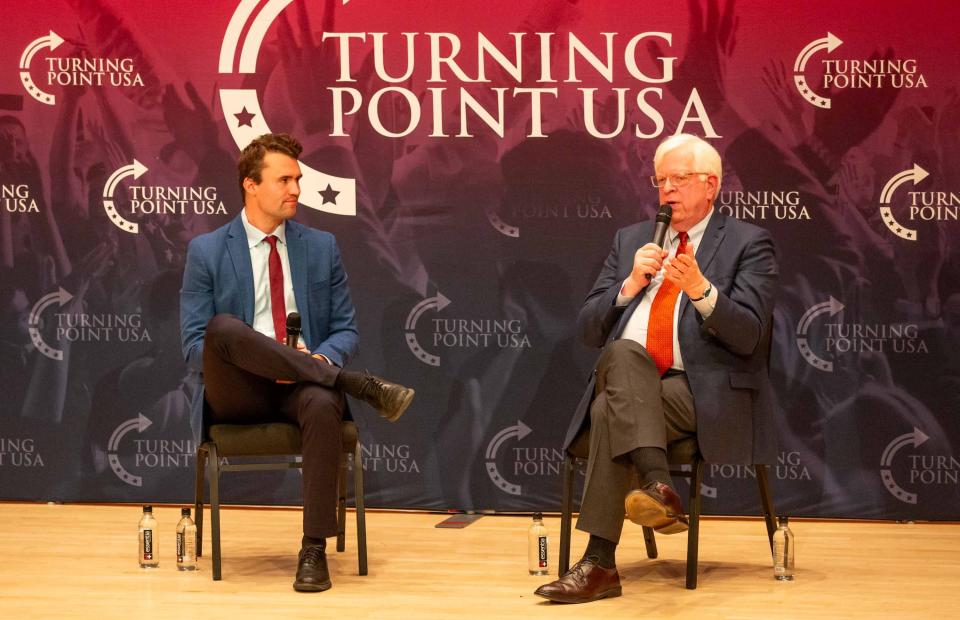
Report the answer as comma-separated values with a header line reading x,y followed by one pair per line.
x,y
239,250
297,255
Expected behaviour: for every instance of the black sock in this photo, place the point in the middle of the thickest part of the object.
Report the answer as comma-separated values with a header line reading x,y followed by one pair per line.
x,y
308,541
350,382
605,551
651,464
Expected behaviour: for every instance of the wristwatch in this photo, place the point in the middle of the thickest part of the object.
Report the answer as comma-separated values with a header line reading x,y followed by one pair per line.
x,y
706,293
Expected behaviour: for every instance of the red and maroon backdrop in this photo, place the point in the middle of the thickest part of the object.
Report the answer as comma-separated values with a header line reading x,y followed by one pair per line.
x,y
474,160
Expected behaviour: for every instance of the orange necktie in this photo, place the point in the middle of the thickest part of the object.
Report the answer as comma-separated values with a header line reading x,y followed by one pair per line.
x,y
660,325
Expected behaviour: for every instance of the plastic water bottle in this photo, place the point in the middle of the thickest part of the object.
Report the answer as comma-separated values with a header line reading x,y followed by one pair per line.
x,y
186,542
537,546
783,551
148,554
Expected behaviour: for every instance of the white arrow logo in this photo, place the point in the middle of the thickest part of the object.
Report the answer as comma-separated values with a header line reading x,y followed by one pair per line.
x,y
832,307
829,43
52,41
139,424
915,174
917,437
519,431
33,322
136,170
437,303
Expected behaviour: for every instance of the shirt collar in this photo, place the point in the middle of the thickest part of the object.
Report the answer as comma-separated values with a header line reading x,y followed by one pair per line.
x,y
695,233
256,236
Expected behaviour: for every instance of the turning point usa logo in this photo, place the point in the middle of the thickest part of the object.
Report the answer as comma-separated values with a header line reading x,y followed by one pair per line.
x,y
922,205
152,200
458,333
523,461
836,337
514,71
922,470
71,70
849,73
144,453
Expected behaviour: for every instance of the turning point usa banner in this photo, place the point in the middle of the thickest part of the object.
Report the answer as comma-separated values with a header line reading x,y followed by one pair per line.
x,y
474,161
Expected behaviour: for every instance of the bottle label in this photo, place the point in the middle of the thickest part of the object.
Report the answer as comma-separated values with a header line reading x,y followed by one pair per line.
x,y
542,551
147,544
180,549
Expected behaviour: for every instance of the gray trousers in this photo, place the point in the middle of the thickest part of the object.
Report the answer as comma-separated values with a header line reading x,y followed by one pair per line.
x,y
632,408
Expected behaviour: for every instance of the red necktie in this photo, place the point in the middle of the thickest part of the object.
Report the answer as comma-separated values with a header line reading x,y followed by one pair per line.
x,y
277,305
660,325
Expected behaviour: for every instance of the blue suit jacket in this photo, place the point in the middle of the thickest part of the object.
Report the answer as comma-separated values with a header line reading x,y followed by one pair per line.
x,y
726,356
218,279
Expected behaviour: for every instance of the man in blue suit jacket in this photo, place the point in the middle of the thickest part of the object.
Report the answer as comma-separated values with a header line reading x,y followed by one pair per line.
x,y
684,331
239,284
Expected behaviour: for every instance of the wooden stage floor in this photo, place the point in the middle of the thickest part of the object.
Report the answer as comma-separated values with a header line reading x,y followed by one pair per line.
x,y
79,561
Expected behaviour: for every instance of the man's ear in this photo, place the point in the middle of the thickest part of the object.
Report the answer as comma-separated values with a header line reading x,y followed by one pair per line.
x,y
249,185
711,187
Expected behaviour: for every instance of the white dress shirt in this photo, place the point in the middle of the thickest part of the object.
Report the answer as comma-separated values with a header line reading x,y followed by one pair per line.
x,y
636,328
260,261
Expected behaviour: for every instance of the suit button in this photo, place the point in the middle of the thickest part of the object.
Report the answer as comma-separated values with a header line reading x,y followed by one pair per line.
x,y
712,331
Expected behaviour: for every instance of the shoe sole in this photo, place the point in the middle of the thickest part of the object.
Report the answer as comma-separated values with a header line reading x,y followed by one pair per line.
x,y
407,399
648,512
611,593
312,587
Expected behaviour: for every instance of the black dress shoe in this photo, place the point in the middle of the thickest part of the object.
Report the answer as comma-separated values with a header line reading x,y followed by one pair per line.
x,y
658,506
312,573
585,581
389,399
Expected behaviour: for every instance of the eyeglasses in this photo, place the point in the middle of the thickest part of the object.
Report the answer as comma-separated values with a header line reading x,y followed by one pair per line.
x,y
676,180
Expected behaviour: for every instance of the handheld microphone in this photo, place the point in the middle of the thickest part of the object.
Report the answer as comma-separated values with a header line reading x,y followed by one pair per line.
x,y
293,329
664,215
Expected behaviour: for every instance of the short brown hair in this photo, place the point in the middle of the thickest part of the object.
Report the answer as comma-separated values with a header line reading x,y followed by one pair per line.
x,y
251,157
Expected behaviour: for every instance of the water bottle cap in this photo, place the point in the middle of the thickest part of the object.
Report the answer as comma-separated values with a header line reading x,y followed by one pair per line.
x,y
784,520
538,516
148,508
185,512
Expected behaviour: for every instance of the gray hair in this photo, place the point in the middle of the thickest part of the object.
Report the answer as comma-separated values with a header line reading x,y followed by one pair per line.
x,y
705,157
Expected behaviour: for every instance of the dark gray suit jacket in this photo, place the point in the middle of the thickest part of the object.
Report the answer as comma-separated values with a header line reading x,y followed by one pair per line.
x,y
726,356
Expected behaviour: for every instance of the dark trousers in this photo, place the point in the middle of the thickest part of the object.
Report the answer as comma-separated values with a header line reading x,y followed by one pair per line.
x,y
633,407
240,369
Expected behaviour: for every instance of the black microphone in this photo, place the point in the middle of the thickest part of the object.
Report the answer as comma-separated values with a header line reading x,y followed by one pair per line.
x,y
293,329
660,230
663,223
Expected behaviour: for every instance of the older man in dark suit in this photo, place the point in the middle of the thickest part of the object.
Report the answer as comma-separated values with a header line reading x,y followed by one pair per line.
x,y
682,329
239,284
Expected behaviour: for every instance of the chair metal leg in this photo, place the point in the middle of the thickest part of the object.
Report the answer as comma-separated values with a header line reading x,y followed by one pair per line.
x,y
693,535
201,462
766,501
213,476
342,503
650,541
566,515
361,509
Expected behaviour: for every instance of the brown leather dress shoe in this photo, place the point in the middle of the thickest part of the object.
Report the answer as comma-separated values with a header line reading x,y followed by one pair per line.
x,y
658,506
585,581
389,399
312,572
